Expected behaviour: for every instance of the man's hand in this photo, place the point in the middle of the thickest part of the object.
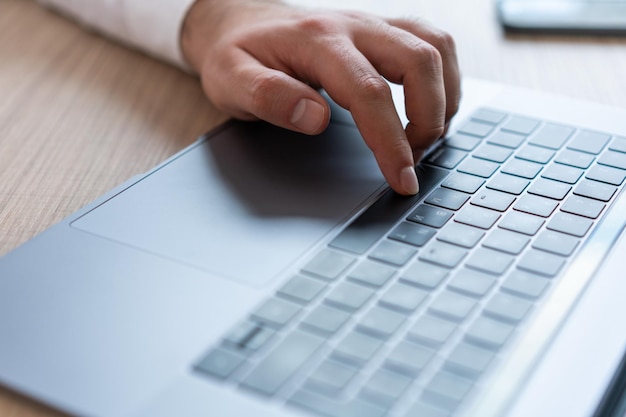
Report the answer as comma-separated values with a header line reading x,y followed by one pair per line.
x,y
262,59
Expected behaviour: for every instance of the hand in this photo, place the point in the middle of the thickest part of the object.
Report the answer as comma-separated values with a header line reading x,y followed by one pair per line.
x,y
262,59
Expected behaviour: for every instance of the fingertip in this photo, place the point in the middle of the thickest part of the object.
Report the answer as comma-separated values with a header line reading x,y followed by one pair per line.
x,y
309,116
408,181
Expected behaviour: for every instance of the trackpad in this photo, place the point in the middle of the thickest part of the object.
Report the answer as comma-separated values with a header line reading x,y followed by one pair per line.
x,y
244,204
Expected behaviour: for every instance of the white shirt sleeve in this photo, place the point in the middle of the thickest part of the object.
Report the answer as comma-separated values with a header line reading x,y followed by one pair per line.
x,y
150,25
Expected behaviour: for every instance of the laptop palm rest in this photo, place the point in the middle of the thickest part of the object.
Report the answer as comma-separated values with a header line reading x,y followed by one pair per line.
x,y
245,203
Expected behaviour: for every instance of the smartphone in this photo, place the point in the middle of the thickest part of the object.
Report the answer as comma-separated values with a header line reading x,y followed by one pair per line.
x,y
596,17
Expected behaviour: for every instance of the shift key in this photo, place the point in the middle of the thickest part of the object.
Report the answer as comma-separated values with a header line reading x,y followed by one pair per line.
x,y
283,362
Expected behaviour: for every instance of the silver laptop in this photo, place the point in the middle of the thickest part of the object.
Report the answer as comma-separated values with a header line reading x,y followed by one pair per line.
x,y
263,273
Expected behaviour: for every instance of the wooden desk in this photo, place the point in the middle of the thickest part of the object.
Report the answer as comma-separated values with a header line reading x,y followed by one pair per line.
x,y
79,114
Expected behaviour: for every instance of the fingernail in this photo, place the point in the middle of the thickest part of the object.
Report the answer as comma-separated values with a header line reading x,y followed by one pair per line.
x,y
408,179
308,116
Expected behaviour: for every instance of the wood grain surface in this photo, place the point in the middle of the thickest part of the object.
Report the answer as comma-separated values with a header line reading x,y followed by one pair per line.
x,y
80,114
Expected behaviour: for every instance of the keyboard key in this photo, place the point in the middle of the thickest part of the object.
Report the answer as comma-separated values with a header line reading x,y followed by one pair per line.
x,y
590,142
525,284
385,387
506,139
462,142
276,312
445,157
424,275
430,216
452,306
325,319
521,223
447,390
488,333
393,253
440,253
331,377
220,363
490,261
403,298
472,283
328,264
283,362
595,190
431,330
533,204
413,234
521,168
467,360
563,173
522,125
349,296
463,182
301,289
493,153
476,129
618,145
420,409
336,408
570,224
535,154
551,136
507,307
606,174
508,184
557,243
575,159
613,159
371,273
541,263
506,241
461,235
248,336
548,188
409,358
490,116
357,348
478,217
583,207
493,200
478,167
380,322
450,199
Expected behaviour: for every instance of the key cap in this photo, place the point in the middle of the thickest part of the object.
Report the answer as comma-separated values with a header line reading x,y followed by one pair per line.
x,y
596,190
493,153
524,284
392,253
329,264
489,116
521,223
550,189
430,216
478,167
506,139
613,159
468,361
357,348
247,337
489,261
570,224
325,319
478,217
488,333
590,142
372,273
380,322
508,184
335,408
475,128
541,263
385,387
431,331
450,199
462,142
557,243
521,168
283,362
533,204
443,254
452,306
618,145
403,298
331,377
408,358
463,182
420,409
506,241
413,234
563,173
276,312
535,154
493,200
447,390
575,159
445,157
508,308
551,136
349,296
606,174
424,275
583,206
220,363
301,289
521,125
461,235
472,283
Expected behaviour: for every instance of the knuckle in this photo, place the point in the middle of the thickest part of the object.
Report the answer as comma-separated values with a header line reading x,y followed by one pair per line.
x,y
318,25
373,88
444,42
427,57
263,88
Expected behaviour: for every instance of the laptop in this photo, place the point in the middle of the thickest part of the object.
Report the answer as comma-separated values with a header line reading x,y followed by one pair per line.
x,y
260,272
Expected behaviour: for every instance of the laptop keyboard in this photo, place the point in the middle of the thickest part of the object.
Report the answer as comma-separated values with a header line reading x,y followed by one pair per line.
x,y
408,308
